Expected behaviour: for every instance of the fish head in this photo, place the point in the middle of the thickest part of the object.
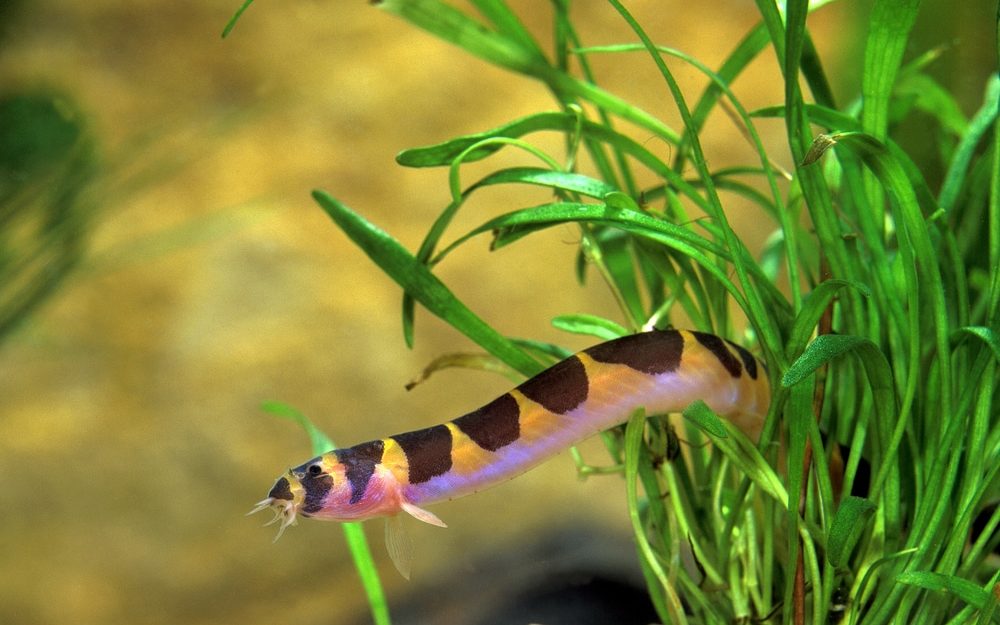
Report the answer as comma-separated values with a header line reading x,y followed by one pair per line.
x,y
324,488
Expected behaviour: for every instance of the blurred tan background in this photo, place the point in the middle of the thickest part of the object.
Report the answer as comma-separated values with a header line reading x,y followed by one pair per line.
x,y
131,439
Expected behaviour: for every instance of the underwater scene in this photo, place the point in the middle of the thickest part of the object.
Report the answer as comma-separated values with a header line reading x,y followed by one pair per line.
x,y
235,236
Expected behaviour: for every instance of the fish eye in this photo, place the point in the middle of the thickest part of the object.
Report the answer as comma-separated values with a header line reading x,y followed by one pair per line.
x,y
315,469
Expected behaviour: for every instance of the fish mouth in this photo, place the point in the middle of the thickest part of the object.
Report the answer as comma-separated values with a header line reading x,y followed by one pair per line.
x,y
284,511
282,502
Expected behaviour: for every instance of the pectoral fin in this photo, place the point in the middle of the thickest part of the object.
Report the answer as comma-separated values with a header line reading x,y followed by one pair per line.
x,y
421,514
397,543
397,539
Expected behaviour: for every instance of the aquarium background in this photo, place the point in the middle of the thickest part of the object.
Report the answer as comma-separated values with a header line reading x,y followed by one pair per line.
x,y
184,275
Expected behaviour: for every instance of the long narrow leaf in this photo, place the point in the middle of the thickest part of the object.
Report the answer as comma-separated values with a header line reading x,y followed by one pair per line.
x,y
424,286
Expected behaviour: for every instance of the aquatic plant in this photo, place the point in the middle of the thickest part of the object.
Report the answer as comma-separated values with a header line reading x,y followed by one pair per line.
x,y
881,344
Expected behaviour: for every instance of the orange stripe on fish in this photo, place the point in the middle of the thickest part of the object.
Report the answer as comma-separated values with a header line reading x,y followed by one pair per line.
x,y
662,371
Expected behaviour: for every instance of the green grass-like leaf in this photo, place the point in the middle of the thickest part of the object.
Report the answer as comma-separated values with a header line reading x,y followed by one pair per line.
x,y
846,528
231,24
963,589
604,329
419,282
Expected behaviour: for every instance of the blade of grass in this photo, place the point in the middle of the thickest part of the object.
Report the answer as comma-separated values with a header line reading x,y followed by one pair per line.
x,y
506,48
669,605
231,24
845,530
965,590
890,25
984,119
424,286
827,347
592,325
738,449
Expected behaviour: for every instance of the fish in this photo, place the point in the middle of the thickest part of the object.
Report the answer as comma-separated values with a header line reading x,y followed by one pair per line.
x,y
660,371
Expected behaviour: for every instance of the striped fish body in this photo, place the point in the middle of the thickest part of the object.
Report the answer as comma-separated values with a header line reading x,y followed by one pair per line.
x,y
662,371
